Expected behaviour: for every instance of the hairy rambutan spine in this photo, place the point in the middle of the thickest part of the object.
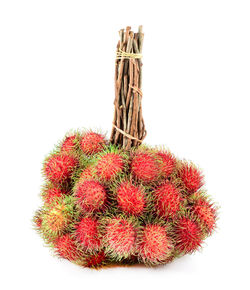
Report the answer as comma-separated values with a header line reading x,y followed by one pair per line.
x,y
131,198
155,245
66,247
90,195
88,173
168,200
188,235
191,177
37,219
167,163
110,165
51,192
145,166
87,233
119,237
59,167
95,260
69,143
58,217
92,143
205,214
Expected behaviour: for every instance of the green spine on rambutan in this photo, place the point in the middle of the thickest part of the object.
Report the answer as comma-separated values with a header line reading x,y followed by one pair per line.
x,y
59,217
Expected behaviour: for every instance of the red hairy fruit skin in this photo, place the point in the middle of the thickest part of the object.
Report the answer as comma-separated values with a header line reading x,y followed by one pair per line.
x,y
206,214
92,143
59,167
188,236
155,246
51,193
66,248
191,177
90,194
87,173
167,163
120,238
56,220
145,167
130,198
168,200
87,233
69,144
95,260
109,166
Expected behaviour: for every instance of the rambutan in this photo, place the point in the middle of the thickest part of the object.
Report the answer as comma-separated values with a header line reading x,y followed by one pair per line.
x,y
69,143
168,200
191,177
188,235
130,198
87,233
92,143
145,167
59,167
90,194
109,165
155,246
66,247
206,214
58,217
120,237
87,173
50,193
95,260
167,163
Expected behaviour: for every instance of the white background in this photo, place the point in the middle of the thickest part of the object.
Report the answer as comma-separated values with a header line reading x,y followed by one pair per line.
x,y
56,74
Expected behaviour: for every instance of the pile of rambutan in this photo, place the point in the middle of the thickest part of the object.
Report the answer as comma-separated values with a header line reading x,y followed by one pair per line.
x,y
106,205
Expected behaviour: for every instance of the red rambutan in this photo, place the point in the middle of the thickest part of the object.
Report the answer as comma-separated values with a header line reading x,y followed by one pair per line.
x,y
90,194
191,177
51,193
92,143
120,238
59,167
168,199
87,233
145,167
95,260
155,246
87,173
188,235
130,198
66,248
109,166
206,214
167,163
69,143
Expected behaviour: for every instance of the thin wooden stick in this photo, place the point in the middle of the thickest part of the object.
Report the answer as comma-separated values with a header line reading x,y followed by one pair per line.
x,y
128,124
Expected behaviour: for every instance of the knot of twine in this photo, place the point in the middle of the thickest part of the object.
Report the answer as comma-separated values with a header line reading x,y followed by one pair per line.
x,y
123,54
128,135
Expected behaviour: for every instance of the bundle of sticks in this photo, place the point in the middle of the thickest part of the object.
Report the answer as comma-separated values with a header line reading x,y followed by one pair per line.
x,y
128,125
